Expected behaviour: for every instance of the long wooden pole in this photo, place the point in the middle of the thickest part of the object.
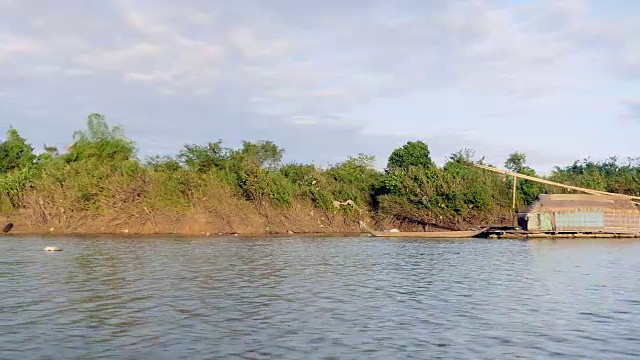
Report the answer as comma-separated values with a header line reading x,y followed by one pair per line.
x,y
513,203
547,182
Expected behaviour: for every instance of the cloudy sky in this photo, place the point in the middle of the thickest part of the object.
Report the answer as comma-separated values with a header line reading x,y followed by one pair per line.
x,y
559,80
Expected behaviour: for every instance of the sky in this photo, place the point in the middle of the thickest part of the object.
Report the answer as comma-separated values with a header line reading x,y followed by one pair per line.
x,y
557,80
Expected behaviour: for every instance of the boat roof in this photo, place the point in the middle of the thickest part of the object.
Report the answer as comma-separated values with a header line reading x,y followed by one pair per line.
x,y
553,202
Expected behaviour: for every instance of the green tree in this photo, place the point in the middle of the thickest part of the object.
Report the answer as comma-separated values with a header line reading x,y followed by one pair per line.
x,y
264,154
51,150
100,142
412,154
465,156
15,152
49,154
203,159
516,162
527,190
354,179
606,175
163,164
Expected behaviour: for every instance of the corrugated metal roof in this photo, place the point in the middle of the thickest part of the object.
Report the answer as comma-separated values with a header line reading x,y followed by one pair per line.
x,y
559,202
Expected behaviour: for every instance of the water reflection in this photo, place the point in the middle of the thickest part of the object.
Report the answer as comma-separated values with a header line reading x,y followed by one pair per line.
x,y
319,298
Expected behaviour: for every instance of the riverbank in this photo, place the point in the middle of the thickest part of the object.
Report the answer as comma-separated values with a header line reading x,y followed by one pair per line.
x,y
241,219
308,222
183,236
100,186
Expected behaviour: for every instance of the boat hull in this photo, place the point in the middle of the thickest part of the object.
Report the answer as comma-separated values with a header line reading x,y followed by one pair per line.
x,y
430,234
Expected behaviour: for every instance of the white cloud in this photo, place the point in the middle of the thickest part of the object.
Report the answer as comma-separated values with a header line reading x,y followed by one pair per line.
x,y
252,47
258,68
632,107
144,25
77,72
151,77
120,59
13,46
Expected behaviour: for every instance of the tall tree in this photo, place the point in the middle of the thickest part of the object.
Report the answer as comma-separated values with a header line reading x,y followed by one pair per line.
x,y
262,153
100,142
412,154
516,162
203,158
527,190
15,152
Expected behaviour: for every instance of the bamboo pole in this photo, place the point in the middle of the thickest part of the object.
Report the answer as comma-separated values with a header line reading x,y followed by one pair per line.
x,y
547,182
513,203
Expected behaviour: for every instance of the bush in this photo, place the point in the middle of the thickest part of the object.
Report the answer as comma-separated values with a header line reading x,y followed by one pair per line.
x,y
99,172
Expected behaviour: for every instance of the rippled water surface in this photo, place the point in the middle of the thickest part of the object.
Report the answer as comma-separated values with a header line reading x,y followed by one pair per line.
x,y
319,298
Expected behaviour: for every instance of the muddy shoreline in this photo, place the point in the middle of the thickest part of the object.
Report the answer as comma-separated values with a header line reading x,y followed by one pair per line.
x,y
234,221
182,235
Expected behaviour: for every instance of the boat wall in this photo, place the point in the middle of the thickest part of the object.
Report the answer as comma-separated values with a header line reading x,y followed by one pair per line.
x,y
581,213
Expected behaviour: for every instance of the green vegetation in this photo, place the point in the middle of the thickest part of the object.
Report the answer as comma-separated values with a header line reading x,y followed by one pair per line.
x,y
100,173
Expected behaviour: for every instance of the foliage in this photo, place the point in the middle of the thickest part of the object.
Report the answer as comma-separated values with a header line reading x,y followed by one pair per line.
x,y
354,179
527,190
516,162
99,171
412,154
100,143
15,153
13,184
465,156
261,154
163,164
203,159
608,175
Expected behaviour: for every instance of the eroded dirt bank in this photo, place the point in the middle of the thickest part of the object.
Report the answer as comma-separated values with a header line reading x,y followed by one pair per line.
x,y
232,216
246,219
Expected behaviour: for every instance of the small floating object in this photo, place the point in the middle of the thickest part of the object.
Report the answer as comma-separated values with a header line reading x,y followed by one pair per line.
x,y
52,248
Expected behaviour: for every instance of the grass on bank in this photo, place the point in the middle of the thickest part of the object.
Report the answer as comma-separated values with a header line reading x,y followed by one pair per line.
x,y
99,174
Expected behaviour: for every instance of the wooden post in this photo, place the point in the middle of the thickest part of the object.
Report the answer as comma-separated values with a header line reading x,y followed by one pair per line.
x,y
513,203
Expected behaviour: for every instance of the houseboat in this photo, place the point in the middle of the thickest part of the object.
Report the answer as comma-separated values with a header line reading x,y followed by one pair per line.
x,y
590,213
582,214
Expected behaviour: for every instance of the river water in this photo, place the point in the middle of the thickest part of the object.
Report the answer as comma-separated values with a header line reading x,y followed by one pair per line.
x,y
319,298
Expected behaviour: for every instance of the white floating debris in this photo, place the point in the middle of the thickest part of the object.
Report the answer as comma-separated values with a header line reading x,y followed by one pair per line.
x,y
52,248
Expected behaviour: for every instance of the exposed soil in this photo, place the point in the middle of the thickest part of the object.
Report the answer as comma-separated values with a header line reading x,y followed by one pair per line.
x,y
201,224
229,216
249,221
